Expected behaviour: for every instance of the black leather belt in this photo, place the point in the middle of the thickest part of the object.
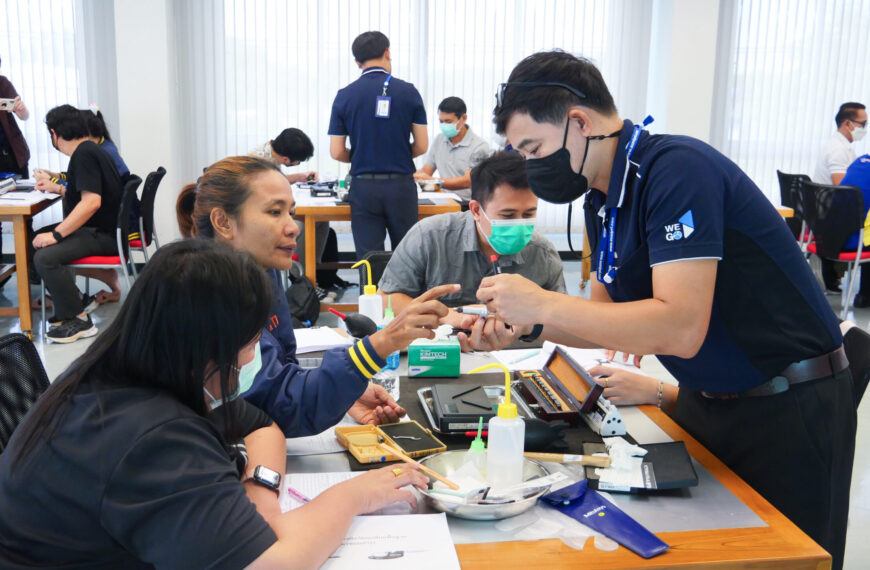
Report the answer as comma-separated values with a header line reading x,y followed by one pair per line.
x,y
382,176
804,371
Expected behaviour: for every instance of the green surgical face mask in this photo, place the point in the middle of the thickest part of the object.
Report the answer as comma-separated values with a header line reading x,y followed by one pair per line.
x,y
247,373
509,236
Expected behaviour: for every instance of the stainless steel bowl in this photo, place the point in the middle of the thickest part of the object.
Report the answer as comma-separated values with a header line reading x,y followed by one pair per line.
x,y
446,462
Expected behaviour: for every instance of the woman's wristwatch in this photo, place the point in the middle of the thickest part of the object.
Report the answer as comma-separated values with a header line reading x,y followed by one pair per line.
x,y
264,477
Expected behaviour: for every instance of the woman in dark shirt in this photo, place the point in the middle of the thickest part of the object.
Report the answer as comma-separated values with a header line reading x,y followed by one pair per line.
x,y
118,465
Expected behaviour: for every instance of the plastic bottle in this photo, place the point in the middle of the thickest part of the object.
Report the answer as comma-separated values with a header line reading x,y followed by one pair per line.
x,y
370,303
505,444
388,376
389,315
476,454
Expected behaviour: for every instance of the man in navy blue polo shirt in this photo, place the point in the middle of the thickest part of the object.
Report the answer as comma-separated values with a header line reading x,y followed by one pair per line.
x,y
379,113
693,264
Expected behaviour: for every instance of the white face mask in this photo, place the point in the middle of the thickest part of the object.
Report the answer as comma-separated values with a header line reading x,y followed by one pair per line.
x,y
858,133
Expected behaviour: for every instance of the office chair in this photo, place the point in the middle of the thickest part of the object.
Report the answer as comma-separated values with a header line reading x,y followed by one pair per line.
x,y
856,343
22,380
146,213
833,214
789,195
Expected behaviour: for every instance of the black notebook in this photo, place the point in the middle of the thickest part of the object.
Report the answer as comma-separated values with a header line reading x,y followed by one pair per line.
x,y
665,466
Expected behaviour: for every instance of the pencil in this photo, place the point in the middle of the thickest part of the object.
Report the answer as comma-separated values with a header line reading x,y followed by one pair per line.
x,y
423,468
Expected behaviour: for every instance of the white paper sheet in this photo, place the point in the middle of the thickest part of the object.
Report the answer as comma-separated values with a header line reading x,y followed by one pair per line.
x,y
319,338
25,198
403,541
421,195
309,485
324,442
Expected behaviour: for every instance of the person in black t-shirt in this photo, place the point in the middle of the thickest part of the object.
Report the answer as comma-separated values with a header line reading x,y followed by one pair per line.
x,y
91,202
118,466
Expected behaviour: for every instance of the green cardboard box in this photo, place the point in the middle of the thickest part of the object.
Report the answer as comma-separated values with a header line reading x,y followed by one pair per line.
x,y
434,358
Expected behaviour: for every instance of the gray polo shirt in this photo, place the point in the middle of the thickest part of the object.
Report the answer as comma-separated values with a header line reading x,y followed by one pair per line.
x,y
452,160
444,249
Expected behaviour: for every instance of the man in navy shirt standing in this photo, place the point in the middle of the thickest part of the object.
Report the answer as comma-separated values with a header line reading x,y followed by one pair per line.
x,y
694,265
380,114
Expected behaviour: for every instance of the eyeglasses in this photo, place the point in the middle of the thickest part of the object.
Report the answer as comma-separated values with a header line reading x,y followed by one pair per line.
x,y
862,123
499,95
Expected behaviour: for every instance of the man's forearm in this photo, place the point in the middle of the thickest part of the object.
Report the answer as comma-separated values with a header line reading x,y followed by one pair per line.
x,y
458,182
650,326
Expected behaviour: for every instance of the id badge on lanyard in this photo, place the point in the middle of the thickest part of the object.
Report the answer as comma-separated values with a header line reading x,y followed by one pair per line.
x,y
382,107
607,246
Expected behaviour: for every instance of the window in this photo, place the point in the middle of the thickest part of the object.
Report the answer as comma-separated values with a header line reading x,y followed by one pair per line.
x,y
785,66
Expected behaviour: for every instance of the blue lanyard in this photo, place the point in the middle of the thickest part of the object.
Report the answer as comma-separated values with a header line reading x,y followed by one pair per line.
x,y
386,84
608,234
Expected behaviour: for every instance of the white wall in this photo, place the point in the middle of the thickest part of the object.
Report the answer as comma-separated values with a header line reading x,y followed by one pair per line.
x,y
147,101
682,63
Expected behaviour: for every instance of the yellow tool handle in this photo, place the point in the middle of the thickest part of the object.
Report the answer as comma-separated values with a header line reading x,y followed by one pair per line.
x,y
591,460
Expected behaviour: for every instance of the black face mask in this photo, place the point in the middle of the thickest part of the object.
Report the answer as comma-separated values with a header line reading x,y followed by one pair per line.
x,y
551,178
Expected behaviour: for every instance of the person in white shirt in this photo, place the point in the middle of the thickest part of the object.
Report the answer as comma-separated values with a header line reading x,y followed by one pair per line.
x,y
836,157
290,148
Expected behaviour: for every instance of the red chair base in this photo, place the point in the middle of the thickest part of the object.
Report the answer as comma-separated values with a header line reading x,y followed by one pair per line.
x,y
844,255
97,260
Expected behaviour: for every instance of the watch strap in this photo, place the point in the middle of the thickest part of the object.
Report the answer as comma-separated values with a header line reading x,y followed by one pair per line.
x,y
536,332
56,235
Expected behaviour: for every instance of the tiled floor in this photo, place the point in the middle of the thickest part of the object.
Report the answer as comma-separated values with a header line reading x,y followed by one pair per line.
x,y
58,357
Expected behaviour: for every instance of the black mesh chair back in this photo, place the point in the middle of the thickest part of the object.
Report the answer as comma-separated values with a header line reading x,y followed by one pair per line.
x,y
378,261
789,195
833,213
149,191
127,200
856,343
22,380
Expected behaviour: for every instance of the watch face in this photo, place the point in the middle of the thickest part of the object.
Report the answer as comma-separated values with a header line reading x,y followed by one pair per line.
x,y
267,477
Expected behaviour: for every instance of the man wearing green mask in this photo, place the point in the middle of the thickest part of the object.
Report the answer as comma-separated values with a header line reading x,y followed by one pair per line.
x,y
458,247
455,151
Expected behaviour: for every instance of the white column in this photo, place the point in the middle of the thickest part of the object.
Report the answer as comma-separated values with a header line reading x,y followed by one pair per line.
x,y
148,102
682,66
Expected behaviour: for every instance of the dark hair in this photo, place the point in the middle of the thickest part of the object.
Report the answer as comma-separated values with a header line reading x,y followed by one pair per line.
x,y
551,104
848,112
369,45
96,124
226,185
67,122
294,144
500,168
453,105
197,303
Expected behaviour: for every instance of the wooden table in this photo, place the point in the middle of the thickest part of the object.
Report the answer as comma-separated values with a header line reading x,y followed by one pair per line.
x,y
779,545
341,213
19,215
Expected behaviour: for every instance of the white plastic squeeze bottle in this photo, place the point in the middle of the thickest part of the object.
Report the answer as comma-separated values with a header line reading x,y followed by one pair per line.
x,y
370,303
505,444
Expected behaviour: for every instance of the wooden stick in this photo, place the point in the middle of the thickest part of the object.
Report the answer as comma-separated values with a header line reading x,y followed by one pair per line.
x,y
592,460
423,468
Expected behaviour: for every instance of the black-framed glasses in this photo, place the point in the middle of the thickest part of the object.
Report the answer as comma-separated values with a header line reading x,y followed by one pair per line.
x,y
862,123
499,95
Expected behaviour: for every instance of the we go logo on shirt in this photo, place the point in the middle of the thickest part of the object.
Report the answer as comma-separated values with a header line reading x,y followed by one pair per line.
x,y
684,227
